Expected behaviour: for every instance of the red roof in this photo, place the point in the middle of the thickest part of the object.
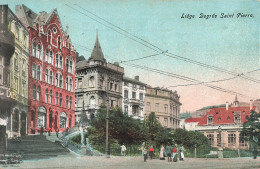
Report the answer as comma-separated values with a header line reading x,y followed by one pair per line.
x,y
223,116
190,120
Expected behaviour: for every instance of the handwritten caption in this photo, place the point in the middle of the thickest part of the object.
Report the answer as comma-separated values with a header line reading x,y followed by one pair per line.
x,y
221,15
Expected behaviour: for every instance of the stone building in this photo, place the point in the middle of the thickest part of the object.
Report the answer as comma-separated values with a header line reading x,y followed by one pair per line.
x,y
96,82
166,105
6,52
133,97
17,121
52,61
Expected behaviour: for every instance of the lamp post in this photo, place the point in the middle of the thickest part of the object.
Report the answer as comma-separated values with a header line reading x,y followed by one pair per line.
x,y
107,118
219,136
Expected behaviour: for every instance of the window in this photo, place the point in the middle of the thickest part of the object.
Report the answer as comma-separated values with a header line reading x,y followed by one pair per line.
x,y
61,62
38,93
60,81
67,101
57,98
16,83
141,96
133,95
135,111
47,96
237,118
91,81
165,122
38,76
39,51
63,120
51,58
242,141
67,83
49,36
126,110
34,92
157,107
50,96
34,49
41,119
46,75
148,106
231,139
57,60
79,83
46,55
70,104
51,77
70,68
115,87
15,63
111,86
210,138
67,65
60,99
126,93
166,108
92,100
70,85
34,71
210,119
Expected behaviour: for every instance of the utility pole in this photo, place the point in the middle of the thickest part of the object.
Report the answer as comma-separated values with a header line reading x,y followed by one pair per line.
x,y
107,118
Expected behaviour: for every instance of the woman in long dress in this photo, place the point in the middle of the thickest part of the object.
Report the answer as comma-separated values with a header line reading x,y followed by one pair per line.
x,y
162,153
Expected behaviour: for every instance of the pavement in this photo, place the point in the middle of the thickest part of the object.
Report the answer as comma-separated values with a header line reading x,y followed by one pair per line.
x,y
114,162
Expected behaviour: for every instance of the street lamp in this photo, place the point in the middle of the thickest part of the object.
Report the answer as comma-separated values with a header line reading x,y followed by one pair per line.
x,y
219,136
107,118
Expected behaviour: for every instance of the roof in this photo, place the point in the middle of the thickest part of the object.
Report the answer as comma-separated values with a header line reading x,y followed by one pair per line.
x,y
97,53
190,120
185,115
223,116
26,15
212,107
81,64
132,80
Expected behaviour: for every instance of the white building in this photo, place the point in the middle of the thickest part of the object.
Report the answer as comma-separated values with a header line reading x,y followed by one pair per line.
x,y
133,97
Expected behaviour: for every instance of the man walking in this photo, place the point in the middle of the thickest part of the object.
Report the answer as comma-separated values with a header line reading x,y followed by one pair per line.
x,y
123,149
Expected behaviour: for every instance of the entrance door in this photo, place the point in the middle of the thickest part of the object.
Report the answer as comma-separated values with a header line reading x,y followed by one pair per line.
x,y
50,121
23,124
2,139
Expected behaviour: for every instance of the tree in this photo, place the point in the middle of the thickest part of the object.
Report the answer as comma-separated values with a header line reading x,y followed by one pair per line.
x,y
251,130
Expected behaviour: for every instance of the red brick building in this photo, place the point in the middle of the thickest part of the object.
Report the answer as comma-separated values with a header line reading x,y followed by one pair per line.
x,y
52,62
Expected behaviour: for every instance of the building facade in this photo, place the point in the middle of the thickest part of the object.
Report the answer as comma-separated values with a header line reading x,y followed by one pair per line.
x,y
96,82
166,105
133,97
17,121
6,52
52,61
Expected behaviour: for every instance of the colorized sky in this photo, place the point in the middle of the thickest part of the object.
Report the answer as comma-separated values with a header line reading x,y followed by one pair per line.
x,y
228,43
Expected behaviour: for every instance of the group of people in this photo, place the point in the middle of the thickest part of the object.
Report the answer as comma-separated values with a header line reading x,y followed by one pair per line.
x,y
171,152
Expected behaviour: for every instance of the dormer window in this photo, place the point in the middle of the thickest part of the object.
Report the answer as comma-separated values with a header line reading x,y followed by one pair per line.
x,y
228,118
237,118
210,119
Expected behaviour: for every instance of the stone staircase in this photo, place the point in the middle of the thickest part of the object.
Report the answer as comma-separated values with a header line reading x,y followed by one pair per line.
x,y
35,147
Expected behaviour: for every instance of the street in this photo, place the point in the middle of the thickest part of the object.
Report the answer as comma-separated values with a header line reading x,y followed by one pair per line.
x,y
87,162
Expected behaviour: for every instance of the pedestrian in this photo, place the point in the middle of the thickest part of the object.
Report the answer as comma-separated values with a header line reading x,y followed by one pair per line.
x,y
123,149
145,154
174,154
168,153
181,152
57,132
151,151
162,153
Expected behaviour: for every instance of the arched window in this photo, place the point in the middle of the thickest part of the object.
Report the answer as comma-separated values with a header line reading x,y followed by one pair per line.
x,y
50,96
67,65
63,120
70,102
39,51
57,98
60,81
91,81
57,60
56,79
92,100
59,42
41,120
67,83
46,75
34,92
38,93
60,65
34,70
60,99
51,58
46,55
51,77
67,101
34,49
47,96
49,36
38,77
70,69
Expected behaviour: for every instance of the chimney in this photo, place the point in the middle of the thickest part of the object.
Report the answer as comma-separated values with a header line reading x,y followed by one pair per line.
x,y
251,104
137,78
227,106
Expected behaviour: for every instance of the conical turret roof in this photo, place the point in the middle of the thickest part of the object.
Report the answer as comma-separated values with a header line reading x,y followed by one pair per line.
x,y
97,53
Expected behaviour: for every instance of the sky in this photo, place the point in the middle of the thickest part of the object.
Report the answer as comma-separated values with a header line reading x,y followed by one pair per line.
x,y
228,43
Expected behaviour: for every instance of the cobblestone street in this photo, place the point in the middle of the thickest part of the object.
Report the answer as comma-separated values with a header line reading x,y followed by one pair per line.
x,y
136,162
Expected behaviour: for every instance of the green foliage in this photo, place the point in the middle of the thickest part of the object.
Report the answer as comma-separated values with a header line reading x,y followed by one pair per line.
x,y
190,138
251,129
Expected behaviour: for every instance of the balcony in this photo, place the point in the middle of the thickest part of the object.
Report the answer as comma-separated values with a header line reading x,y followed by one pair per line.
x,y
137,101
